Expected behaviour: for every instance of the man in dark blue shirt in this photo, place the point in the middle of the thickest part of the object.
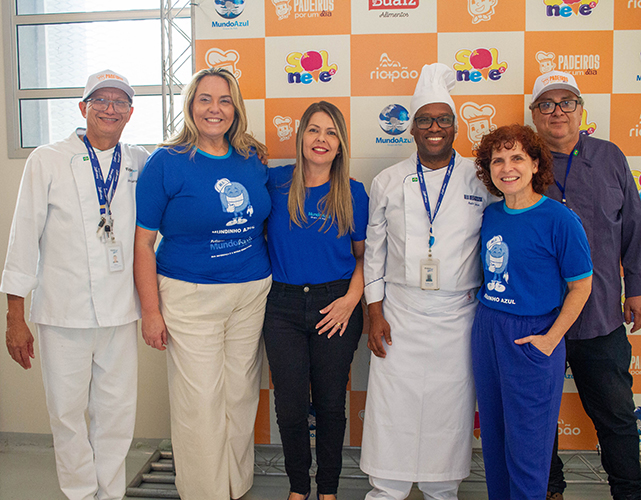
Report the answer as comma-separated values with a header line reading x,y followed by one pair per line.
x,y
594,180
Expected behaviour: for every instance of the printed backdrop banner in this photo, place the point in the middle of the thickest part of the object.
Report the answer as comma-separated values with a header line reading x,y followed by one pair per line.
x,y
365,56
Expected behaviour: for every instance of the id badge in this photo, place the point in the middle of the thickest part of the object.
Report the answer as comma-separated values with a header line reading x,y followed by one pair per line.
x,y
429,274
115,257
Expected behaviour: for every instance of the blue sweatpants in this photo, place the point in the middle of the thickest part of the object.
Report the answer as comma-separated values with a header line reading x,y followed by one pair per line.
x,y
519,393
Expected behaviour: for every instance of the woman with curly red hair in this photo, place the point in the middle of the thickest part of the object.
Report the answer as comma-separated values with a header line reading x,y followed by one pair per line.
x,y
538,276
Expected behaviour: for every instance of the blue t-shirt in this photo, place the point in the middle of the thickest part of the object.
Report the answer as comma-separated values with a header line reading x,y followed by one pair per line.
x,y
528,255
305,255
210,211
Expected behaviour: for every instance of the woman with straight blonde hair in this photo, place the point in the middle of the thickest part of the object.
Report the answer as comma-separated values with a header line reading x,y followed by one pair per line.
x,y
313,321
203,293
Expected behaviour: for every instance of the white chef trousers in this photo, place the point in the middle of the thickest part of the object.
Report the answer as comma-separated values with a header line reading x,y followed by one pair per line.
x,y
214,368
390,489
92,369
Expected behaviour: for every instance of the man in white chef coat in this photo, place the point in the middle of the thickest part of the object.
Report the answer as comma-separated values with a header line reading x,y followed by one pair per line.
x,y
71,244
422,271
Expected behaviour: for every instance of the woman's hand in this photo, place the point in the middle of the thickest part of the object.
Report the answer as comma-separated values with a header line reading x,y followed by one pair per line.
x,y
543,343
337,316
154,331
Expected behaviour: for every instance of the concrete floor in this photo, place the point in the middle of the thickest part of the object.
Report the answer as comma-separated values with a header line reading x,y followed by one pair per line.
x,y
27,472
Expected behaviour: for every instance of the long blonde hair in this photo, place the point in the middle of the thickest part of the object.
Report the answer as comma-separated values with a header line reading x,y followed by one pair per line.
x,y
336,206
187,138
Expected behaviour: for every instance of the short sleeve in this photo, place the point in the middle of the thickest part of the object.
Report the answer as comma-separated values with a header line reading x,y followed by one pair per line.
x,y
151,192
360,209
572,247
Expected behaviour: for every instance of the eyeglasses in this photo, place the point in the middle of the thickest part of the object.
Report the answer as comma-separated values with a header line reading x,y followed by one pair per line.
x,y
549,107
103,105
425,122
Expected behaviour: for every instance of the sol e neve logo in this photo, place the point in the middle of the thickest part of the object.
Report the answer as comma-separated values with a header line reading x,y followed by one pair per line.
x,y
478,64
568,8
310,66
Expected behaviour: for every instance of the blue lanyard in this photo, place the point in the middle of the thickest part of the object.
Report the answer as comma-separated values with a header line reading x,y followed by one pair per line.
x,y
426,199
105,190
574,153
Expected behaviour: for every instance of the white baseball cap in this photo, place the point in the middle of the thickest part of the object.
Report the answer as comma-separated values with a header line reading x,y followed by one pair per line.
x,y
554,80
107,78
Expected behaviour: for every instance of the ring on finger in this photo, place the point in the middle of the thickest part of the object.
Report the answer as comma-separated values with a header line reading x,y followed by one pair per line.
x,y
339,324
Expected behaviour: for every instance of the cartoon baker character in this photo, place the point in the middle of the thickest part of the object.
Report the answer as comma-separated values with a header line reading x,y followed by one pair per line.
x,y
496,258
234,199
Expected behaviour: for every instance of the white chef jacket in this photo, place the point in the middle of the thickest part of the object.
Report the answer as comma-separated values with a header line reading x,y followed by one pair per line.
x,y
419,413
53,247
398,228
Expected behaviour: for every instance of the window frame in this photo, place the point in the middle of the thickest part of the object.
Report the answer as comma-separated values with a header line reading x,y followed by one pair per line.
x,y
13,94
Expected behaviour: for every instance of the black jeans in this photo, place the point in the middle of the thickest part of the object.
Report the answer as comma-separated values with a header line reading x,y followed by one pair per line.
x,y
299,356
600,367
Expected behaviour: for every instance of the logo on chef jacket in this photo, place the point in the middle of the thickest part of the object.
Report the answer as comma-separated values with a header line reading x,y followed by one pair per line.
x,y
569,8
394,119
310,67
225,59
284,128
478,65
481,10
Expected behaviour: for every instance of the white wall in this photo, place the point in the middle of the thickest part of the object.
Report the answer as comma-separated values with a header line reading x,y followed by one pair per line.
x,y
22,401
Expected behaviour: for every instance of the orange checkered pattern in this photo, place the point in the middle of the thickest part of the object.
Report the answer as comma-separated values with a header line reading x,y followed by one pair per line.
x,y
366,55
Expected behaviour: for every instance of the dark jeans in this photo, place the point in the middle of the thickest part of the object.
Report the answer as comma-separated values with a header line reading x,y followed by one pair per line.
x,y
299,356
600,367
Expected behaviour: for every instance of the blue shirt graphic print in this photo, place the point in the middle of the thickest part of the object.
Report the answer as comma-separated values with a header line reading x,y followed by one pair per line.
x,y
497,255
235,200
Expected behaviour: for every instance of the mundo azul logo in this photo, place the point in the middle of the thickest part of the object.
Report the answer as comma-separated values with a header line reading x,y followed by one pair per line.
x,y
394,119
478,64
308,67
229,9
568,8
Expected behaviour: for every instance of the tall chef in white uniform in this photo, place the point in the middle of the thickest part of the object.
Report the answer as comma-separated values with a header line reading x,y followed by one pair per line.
x,y
422,272
71,244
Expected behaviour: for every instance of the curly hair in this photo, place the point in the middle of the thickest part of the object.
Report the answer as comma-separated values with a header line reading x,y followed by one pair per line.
x,y
508,137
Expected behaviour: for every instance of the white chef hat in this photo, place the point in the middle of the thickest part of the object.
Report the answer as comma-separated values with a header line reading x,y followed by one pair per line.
x,y
433,86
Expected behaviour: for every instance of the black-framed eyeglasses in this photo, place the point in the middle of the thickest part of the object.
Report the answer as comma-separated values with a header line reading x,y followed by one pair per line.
x,y
425,122
549,107
103,105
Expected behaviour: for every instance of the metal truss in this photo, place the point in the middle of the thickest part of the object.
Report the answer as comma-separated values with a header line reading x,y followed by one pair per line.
x,y
170,10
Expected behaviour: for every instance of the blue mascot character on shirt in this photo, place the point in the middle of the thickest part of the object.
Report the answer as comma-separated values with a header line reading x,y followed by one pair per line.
x,y
496,258
234,199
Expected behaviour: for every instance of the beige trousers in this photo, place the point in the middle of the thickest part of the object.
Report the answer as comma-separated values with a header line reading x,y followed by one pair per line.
x,y
214,365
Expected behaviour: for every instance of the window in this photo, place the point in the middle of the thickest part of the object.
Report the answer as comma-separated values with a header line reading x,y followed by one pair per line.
x,y
52,46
